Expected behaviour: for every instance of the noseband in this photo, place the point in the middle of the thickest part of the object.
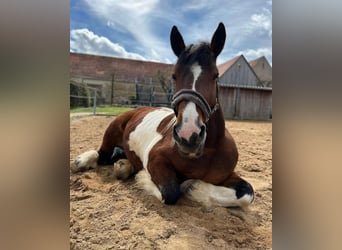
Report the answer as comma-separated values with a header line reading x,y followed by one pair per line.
x,y
198,99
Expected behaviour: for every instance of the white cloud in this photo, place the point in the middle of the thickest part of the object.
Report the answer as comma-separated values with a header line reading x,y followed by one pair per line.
x,y
252,54
85,41
146,24
140,8
132,17
196,5
261,22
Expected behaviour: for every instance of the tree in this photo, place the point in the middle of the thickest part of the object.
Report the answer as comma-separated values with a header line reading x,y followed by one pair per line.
x,y
166,83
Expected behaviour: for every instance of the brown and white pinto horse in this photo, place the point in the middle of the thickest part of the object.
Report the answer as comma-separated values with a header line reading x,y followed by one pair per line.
x,y
185,150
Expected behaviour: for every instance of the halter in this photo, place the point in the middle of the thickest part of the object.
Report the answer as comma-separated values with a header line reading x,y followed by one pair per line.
x,y
198,99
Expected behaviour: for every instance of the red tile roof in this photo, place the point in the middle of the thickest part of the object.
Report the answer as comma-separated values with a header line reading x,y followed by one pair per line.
x,y
255,61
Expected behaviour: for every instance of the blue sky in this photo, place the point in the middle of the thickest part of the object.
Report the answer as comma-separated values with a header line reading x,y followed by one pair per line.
x,y
140,29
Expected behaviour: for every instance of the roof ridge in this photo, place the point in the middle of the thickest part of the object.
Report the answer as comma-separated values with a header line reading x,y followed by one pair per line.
x,y
223,67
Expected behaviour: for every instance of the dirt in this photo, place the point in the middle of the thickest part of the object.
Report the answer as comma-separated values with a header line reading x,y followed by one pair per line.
x,y
110,214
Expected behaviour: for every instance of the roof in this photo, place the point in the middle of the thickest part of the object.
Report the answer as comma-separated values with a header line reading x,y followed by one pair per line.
x,y
222,68
255,61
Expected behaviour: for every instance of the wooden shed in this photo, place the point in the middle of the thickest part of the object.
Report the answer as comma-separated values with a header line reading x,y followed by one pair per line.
x,y
263,70
242,94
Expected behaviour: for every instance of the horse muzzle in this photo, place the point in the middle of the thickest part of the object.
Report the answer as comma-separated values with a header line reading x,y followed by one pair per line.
x,y
190,143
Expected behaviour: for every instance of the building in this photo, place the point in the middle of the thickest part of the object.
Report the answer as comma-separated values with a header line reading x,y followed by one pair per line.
x,y
122,81
237,71
263,70
242,94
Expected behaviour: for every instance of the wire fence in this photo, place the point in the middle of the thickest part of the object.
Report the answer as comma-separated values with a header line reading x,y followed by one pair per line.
x,y
237,101
93,92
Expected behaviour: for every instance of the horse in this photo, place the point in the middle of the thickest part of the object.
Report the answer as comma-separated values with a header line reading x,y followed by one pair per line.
x,y
182,150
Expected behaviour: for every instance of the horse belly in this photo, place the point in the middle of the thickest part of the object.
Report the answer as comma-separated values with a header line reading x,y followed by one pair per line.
x,y
145,135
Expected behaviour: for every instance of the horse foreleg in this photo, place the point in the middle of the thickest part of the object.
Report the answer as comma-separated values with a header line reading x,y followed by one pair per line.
x,y
90,159
85,161
233,192
112,142
110,150
160,181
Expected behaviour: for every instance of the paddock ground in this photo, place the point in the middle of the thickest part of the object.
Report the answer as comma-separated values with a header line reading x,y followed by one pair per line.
x,y
110,214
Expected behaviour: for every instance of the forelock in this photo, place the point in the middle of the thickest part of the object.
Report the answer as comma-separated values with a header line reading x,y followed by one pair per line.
x,y
200,53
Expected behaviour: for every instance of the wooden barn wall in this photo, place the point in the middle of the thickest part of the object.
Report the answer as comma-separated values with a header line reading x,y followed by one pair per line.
x,y
246,104
263,71
239,76
227,100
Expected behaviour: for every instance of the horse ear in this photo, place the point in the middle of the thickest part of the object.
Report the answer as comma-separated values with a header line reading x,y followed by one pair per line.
x,y
218,40
177,42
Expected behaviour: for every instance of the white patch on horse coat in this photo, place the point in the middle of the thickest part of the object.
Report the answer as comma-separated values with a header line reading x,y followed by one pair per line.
x,y
142,140
145,135
189,119
212,195
86,160
196,71
143,180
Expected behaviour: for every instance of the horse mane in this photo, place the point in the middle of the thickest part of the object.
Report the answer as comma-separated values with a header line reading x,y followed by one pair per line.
x,y
200,53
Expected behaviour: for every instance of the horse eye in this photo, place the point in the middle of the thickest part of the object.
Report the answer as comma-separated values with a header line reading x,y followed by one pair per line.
x,y
173,76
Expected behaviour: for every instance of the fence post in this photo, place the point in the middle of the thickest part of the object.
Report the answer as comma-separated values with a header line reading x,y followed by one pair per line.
x,y
112,91
136,91
151,92
94,103
171,92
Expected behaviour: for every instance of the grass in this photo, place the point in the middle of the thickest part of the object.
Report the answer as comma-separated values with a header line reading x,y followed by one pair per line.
x,y
107,110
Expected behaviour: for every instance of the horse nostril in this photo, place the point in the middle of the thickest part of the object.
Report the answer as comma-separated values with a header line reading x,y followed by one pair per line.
x,y
193,139
202,133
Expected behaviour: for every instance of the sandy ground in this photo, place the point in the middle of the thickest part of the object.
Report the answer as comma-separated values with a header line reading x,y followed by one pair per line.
x,y
111,214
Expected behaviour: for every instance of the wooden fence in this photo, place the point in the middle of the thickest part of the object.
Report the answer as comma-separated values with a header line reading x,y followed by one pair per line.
x,y
118,92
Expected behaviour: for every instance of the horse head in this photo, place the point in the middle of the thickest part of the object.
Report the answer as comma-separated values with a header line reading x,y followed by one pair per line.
x,y
196,98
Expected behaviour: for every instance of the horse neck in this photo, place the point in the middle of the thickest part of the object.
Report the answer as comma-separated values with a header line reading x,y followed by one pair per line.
x,y
215,127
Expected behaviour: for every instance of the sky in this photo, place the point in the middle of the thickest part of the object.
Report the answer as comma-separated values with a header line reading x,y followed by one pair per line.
x,y
140,29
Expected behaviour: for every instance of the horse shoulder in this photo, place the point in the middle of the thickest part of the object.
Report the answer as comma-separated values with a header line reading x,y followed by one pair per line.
x,y
226,153
143,132
223,160
229,146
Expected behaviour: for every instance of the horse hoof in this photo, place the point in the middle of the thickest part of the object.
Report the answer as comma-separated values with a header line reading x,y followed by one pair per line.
x,y
244,193
85,161
123,169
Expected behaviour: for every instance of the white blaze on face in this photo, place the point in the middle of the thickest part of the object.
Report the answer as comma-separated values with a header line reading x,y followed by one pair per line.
x,y
189,119
196,71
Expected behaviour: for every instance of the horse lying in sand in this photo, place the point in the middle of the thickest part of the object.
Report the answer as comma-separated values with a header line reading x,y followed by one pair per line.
x,y
184,150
